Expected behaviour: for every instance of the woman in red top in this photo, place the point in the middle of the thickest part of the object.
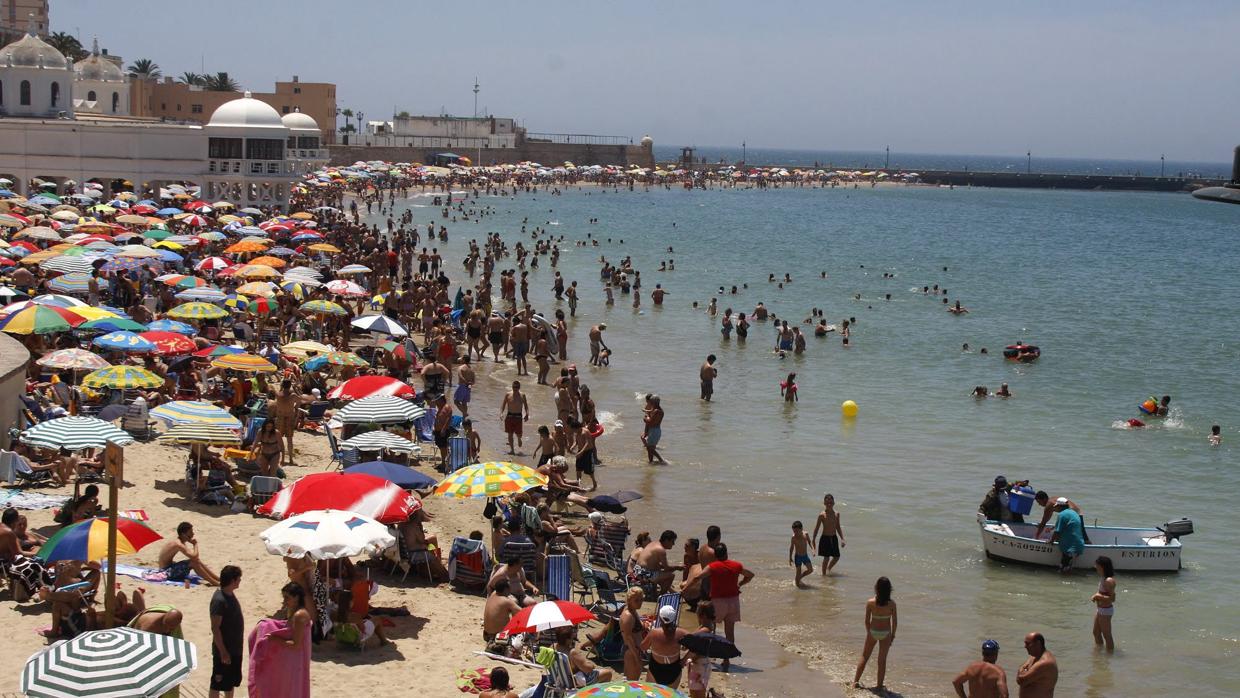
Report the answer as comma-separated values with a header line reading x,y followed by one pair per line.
x,y
788,388
726,579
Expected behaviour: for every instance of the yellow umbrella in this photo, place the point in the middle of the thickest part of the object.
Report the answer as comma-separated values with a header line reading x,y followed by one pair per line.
x,y
223,204
244,362
303,348
324,247
169,245
257,271
90,312
303,216
257,288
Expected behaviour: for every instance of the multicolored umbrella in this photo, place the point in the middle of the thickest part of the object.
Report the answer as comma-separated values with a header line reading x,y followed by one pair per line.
x,y
169,343
203,434
195,412
58,301
261,306
183,281
246,362
122,378
73,360
547,615
90,312
212,263
327,535
264,289
77,282
322,307
380,324
75,434
237,302
361,494
40,319
491,479
124,341
366,386
626,689
197,311
88,540
110,664
380,409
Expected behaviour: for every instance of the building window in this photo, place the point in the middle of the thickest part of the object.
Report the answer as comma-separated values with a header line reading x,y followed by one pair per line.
x,y
163,106
24,96
90,96
55,94
256,168
224,148
264,149
296,90
273,168
178,107
284,109
211,166
116,102
195,108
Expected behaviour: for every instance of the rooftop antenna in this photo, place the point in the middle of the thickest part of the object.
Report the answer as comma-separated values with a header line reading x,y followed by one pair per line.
x,y
475,97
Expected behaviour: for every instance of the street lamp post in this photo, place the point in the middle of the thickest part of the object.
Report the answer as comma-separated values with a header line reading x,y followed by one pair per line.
x,y
360,116
1029,162
1162,165
887,162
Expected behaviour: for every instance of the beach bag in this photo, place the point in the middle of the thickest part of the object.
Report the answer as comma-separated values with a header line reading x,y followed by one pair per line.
x,y
489,511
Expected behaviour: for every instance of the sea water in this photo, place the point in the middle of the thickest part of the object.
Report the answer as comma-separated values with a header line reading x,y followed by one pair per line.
x,y
1128,295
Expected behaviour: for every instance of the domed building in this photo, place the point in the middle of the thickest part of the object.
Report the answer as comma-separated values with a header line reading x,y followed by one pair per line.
x,y
35,79
101,87
305,142
247,155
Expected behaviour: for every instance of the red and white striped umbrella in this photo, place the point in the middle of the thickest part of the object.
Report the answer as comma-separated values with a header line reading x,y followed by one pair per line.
x,y
368,386
547,615
212,264
341,287
359,493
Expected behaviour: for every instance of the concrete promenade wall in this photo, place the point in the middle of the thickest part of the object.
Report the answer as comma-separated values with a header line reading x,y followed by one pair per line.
x,y
13,358
550,154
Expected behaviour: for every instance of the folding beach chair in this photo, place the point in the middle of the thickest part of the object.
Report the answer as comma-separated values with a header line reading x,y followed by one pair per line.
x,y
615,530
408,558
458,453
314,412
342,457
469,563
601,553
424,426
16,470
558,584
525,550
670,599
261,489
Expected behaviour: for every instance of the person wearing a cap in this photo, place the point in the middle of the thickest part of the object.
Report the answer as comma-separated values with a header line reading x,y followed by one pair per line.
x,y
995,504
1048,507
985,678
1069,533
663,644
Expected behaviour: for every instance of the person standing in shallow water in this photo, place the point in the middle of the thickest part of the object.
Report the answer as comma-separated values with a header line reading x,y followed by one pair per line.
x,y
1104,598
654,429
880,629
707,374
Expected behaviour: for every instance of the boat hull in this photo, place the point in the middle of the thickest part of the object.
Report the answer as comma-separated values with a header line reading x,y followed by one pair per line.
x,y
1130,550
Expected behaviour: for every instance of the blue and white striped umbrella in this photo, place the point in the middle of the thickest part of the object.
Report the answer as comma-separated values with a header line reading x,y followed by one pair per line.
x,y
57,300
380,324
202,293
115,663
74,433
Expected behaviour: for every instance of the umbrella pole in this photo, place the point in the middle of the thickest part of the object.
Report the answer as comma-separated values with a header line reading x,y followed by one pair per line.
x,y
114,462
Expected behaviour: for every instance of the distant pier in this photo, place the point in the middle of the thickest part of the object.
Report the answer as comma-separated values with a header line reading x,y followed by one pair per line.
x,y
1024,180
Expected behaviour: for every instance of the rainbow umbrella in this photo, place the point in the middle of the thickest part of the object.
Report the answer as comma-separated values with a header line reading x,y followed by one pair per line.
x,y
195,412
124,341
88,540
237,301
626,689
183,281
264,289
197,310
39,319
261,306
244,362
90,312
122,378
490,479
77,282
323,307
335,358
73,360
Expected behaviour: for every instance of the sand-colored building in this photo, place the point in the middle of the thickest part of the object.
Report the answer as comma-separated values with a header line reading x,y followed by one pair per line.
x,y
170,99
18,16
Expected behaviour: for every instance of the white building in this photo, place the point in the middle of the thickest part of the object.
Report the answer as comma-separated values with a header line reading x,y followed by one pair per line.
x,y
68,124
444,132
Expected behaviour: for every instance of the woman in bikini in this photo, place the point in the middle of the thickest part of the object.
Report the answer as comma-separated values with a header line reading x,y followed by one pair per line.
x,y
663,643
270,449
880,629
1105,600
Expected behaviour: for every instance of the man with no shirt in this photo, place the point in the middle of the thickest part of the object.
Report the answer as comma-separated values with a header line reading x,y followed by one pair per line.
x,y
985,678
596,342
1040,672
708,373
516,411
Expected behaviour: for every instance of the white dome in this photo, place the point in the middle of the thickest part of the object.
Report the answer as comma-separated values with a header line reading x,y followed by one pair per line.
x,y
246,112
95,67
298,121
32,52
647,141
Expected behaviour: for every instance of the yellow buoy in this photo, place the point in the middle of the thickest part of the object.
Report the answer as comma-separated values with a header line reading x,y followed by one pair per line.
x,y
849,408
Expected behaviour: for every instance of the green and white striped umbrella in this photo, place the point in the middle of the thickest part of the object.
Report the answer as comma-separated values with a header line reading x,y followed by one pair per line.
x,y
381,441
195,433
75,434
116,663
380,409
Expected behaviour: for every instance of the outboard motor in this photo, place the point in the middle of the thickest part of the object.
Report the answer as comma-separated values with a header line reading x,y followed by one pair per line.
x,y
1176,528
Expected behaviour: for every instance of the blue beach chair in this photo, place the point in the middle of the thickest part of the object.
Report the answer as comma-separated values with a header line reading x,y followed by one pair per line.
x,y
558,585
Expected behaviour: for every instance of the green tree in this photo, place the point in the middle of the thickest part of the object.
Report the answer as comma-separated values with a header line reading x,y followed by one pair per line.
x,y
403,115
193,79
68,45
145,68
220,82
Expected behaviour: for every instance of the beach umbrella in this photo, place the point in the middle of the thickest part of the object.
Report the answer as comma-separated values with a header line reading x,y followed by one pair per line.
x,y
139,251
322,307
123,264
77,282
301,349
39,232
304,272
168,343
266,289
296,289
380,409
262,306
124,341
367,495
39,319
88,540
257,271
182,281
57,300
201,434
246,246
366,386
710,645
403,476
113,324
90,312
157,234
626,689
270,261
335,358
236,302
490,479
208,294
324,247
341,287
132,219
197,311
195,412
7,293
166,325
192,219
382,441
73,360
115,663
246,362
380,324
212,264
67,264
122,378
546,615
349,269
327,535
75,434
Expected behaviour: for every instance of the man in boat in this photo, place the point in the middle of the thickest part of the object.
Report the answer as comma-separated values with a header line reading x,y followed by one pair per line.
x,y
995,505
1048,507
985,678
1069,533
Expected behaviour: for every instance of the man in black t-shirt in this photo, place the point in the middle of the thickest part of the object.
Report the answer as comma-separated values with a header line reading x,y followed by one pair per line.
x,y
227,634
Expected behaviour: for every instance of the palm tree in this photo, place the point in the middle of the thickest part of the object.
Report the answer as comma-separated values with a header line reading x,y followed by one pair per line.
x,y
220,82
192,78
146,69
68,45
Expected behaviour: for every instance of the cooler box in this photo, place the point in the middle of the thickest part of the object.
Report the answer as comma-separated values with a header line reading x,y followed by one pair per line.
x,y
1020,500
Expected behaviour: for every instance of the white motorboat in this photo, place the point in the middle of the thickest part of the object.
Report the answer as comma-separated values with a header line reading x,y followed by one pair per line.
x,y
1130,549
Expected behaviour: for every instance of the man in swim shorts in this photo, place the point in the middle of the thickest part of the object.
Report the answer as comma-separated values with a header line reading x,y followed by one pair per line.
x,y
832,534
516,411
464,386
654,428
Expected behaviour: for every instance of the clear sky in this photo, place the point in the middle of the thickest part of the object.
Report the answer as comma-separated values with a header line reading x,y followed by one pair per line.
x,y
1063,78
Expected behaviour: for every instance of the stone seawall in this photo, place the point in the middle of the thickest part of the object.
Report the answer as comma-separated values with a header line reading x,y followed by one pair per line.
x,y
549,154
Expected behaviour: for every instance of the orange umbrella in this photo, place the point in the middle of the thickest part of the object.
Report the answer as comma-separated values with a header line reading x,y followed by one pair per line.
x,y
246,246
269,261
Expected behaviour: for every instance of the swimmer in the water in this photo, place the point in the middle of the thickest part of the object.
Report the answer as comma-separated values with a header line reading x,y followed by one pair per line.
x,y
980,391
1003,391
1215,437
965,348
956,309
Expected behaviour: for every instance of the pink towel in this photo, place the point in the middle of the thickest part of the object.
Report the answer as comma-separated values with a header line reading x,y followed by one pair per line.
x,y
278,671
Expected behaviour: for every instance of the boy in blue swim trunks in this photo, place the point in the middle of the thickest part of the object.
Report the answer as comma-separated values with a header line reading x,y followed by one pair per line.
x,y
798,553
